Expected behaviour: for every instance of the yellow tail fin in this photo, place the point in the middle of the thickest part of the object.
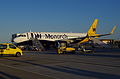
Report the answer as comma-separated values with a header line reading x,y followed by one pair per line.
x,y
92,30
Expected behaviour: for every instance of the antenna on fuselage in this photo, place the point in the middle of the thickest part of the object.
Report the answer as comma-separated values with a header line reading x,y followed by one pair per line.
x,y
29,25
30,30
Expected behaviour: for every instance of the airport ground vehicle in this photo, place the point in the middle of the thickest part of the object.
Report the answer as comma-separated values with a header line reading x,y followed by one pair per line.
x,y
10,49
85,50
64,48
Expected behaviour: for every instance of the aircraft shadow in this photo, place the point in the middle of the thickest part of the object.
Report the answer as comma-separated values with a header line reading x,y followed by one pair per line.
x,y
74,71
8,76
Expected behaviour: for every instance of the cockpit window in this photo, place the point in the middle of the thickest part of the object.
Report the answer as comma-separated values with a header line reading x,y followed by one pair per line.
x,y
3,46
14,35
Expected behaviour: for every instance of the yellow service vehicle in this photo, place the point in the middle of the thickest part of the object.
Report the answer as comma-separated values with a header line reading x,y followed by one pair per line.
x,y
63,48
10,49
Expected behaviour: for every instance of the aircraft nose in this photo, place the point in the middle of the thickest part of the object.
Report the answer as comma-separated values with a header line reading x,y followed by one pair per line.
x,y
17,40
12,40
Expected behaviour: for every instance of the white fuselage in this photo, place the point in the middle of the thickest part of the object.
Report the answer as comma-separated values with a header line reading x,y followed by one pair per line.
x,y
48,36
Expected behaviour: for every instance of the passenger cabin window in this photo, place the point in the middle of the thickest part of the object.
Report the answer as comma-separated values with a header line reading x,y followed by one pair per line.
x,y
21,35
12,46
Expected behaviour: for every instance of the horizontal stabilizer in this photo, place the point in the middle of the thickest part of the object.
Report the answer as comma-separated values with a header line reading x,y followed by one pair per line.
x,y
99,35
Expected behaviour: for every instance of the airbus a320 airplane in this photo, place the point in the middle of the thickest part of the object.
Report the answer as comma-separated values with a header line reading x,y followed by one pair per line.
x,y
48,37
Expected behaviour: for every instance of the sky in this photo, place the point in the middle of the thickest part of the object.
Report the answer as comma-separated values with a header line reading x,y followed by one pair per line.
x,y
18,16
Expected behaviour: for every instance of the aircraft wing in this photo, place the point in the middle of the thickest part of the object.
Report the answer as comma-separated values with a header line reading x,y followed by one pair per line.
x,y
73,40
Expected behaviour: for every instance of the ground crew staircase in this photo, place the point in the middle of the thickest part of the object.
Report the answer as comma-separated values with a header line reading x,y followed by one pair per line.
x,y
38,44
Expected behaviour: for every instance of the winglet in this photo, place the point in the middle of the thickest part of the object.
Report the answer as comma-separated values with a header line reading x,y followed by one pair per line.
x,y
113,30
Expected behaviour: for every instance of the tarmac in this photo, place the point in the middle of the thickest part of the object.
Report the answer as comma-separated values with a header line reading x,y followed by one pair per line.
x,y
103,64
